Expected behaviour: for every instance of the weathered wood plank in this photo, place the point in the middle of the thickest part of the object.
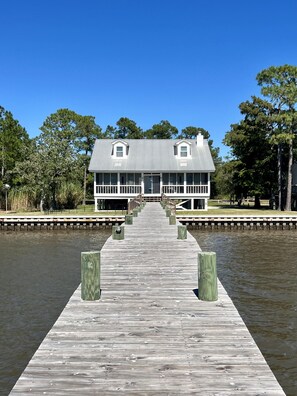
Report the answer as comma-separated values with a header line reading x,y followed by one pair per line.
x,y
149,334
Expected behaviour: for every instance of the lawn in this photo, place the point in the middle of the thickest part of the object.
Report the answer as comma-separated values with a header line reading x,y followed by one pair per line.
x,y
87,210
220,208
215,208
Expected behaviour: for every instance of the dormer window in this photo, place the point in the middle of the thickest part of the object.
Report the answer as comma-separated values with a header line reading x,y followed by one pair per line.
x,y
183,151
119,151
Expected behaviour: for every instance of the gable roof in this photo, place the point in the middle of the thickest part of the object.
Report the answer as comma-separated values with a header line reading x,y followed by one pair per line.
x,y
150,155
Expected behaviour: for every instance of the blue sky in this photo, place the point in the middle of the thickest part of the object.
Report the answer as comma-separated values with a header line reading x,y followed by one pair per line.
x,y
191,62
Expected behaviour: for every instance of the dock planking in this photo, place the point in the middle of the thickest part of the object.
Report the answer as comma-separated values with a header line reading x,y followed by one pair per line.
x,y
149,334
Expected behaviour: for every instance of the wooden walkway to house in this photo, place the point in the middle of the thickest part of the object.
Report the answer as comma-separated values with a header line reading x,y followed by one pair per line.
x,y
149,334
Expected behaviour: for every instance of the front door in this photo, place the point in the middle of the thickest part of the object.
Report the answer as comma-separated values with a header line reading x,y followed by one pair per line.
x,y
151,184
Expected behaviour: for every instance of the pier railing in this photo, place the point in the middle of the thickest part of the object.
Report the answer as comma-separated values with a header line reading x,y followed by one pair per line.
x,y
169,203
135,203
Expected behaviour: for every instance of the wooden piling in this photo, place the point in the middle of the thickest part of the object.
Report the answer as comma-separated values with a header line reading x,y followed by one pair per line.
x,y
172,219
168,212
207,276
90,276
181,232
129,219
118,232
135,212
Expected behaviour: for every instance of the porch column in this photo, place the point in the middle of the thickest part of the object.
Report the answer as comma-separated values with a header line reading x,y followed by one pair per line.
x,y
185,183
208,184
142,183
206,204
161,183
118,183
96,199
95,182
192,203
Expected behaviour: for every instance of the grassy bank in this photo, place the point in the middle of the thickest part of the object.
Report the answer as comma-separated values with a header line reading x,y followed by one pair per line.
x,y
215,208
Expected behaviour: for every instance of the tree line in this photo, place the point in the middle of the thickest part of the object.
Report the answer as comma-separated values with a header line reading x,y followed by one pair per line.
x,y
263,143
51,170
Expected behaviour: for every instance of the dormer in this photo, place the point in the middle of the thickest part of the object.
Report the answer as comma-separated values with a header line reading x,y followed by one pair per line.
x,y
182,149
119,149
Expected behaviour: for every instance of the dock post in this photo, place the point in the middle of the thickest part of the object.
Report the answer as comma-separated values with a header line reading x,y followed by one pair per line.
x,y
90,276
181,232
135,212
207,276
118,232
172,220
128,219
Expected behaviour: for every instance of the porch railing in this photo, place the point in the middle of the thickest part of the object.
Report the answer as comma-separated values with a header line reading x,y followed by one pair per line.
x,y
166,189
200,189
130,189
106,189
115,189
173,189
178,189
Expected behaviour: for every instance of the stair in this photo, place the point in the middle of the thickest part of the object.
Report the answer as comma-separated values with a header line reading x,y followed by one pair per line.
x,y
152,199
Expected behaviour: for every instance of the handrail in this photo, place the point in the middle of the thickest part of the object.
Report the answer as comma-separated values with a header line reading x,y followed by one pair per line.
x,y
135,203
169,203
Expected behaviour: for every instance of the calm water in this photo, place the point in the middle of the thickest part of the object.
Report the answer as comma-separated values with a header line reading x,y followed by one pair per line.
x,y
39,271
259,271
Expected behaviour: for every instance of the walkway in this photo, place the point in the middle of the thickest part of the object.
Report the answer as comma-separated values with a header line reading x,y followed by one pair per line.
x,y
149,334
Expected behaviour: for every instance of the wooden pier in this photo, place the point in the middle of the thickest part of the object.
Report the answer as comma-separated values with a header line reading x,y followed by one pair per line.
x,y
149,334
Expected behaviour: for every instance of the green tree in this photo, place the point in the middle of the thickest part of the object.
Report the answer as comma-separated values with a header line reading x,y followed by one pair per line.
x,y
127,129
279,85
109,132
190,132
253,158
12,139
163,130
58,152
226,180
87,133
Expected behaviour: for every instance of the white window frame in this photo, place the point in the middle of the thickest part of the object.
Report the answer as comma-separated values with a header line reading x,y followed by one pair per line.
x,y
123,149
119,151
184,153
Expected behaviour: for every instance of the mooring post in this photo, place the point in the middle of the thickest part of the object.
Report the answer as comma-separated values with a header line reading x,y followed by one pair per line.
x,y
181,232
207,276
90,276
118,232
172,220
135,212
129,219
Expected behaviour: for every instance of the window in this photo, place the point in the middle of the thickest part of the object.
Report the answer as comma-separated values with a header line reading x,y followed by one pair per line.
x,y
183,151
106,179
119,151
197,179
130,179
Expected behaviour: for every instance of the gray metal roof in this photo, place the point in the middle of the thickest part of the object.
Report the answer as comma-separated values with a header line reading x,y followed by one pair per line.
x,y
151,155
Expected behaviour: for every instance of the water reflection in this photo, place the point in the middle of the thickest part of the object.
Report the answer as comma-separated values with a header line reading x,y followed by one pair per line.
x,y
259,271
39,271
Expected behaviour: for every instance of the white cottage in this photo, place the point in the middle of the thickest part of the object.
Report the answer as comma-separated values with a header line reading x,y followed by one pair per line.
x,y
126,168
